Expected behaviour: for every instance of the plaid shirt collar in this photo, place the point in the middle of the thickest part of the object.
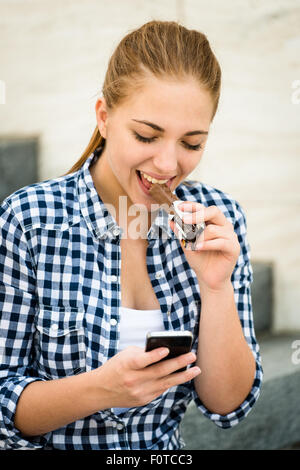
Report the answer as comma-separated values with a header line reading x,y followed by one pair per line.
x,y
98,219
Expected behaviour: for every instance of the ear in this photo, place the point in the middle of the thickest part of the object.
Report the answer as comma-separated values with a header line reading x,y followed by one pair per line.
x,y
101,115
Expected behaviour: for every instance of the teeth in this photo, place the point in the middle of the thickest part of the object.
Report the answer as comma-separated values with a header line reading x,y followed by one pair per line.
x,y
153,180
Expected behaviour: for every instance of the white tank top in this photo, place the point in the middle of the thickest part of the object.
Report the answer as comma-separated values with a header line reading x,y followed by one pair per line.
x,y
134,326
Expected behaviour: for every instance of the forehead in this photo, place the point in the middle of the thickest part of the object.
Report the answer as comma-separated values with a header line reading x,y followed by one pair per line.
x,y
166,102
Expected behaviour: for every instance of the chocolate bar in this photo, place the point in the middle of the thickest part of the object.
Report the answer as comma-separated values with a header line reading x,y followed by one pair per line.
x,y
163,196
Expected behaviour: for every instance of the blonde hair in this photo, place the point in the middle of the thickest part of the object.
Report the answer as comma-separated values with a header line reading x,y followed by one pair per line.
x,y
165,49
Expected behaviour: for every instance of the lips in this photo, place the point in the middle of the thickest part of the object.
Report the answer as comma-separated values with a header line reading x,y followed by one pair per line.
x,y
145,182
148,184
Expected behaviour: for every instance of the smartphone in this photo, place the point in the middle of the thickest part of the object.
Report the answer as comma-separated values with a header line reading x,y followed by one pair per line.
x,y
178,342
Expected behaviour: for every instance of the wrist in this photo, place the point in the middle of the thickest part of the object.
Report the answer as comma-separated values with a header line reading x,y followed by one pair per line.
x,y
226,287
99,396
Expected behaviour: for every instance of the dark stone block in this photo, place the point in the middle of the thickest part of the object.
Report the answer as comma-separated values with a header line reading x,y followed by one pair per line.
x,y
274,421
18,164
262,296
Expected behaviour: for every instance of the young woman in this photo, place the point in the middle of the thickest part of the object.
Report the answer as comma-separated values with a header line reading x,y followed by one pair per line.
x,y
79,289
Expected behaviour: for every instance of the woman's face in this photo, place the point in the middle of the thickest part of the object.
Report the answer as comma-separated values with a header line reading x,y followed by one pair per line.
x,y
161,130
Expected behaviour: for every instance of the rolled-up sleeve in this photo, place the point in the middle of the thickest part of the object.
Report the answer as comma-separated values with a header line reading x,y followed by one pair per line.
x,y
241,279
17,309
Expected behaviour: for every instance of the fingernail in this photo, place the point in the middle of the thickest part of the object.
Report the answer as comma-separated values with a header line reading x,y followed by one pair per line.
x,y
187,218
178,204
164,352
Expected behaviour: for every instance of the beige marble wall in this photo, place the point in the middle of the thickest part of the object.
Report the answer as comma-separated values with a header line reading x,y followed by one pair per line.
x,y
254,147
53,57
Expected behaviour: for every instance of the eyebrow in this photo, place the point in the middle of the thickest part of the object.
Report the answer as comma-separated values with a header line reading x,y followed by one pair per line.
x,y
160,129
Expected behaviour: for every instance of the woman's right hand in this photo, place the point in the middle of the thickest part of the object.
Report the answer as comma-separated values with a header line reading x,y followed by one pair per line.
x,y
134,378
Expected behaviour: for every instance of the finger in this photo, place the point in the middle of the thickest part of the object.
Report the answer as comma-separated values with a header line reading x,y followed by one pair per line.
x,y
213,231
180,377
168,366
189,206
192,213
214,215
219,244
197,213
150,357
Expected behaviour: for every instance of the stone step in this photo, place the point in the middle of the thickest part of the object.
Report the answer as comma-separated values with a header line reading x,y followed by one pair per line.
x,y
18,164
274,421
262,295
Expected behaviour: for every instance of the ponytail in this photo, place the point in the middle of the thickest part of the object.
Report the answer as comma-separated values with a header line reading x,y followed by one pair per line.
x,y
96,141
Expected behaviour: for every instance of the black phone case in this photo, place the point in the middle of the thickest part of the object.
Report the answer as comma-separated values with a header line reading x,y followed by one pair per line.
x,y
176,345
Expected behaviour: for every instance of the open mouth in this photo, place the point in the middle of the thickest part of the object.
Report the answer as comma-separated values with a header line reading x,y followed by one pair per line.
x,y
148,184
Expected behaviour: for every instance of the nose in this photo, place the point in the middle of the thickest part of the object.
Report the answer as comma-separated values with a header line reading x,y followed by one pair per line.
x,y
165,160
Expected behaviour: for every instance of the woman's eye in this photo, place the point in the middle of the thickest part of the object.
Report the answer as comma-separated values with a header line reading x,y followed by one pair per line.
x,y
148,140
193,147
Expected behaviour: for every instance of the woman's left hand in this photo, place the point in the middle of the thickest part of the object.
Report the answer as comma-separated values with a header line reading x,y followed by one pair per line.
x,y
216,254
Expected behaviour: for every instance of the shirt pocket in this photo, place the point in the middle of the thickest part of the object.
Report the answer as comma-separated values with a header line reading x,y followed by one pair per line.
x,y
60,348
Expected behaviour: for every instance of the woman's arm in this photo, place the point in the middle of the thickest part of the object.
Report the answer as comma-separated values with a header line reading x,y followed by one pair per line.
x,y
45,406
125,380
221,263
224,357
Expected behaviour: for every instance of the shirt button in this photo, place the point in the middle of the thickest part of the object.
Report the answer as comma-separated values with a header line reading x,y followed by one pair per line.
x,y
54,327
168,313
158,275
116,231
113,322
120,426
114,278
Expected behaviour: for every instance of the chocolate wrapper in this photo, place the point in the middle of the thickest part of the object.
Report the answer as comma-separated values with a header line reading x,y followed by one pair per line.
x,y
187,233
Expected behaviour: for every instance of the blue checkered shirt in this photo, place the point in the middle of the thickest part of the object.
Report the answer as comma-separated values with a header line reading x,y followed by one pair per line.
x,y
59,308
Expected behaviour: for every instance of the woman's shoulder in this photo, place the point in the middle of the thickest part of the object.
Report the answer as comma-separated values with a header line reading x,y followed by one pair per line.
x,y
49,203
204,193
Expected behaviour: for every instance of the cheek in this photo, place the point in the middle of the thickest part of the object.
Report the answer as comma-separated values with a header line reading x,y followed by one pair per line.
x,y
124,161
187,165
194,161
135,158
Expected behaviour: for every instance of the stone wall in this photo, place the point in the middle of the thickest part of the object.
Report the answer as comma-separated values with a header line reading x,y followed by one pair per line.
x,y
53,60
